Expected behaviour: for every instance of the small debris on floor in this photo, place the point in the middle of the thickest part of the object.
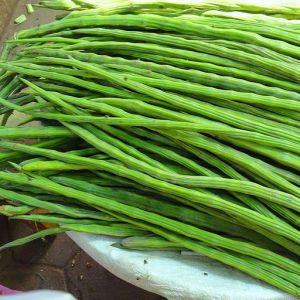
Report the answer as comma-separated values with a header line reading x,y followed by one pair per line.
x,y
73,263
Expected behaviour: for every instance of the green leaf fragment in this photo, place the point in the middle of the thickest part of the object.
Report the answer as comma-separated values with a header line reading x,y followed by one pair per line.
x,y
29,8
21,19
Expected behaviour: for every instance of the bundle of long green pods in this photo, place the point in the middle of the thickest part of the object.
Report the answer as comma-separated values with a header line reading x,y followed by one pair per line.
x,y
175,132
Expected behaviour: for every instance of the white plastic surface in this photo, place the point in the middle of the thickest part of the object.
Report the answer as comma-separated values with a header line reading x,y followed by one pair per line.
x,y
176,276
40,295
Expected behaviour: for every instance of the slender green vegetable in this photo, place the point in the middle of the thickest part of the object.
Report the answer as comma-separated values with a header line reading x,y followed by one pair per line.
x,y
284,157
155,205
54,207
290,121
272,32
113,230
137,86
230,117
98,88
58,4
81,152
182,7
41,40
211,66
207,182
191,195
57,219
200,90
39,132
10,211
167,223
11,155
32,237
163,23
166,209
181,179
147,243
242,158
283,68
167,125
48,85
172,124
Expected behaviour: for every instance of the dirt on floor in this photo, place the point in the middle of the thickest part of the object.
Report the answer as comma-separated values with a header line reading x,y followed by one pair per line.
x,y
58,263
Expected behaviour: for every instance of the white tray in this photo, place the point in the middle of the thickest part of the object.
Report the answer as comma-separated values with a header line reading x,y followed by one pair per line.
x,y
176,276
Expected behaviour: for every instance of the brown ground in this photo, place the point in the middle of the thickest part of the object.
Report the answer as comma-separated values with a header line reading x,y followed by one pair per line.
x,y
58,263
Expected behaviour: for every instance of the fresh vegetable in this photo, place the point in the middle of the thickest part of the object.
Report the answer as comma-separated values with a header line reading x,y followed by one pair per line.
x,y
173,124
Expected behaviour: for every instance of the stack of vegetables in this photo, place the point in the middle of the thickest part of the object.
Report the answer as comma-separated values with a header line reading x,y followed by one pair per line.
x,y
169,124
